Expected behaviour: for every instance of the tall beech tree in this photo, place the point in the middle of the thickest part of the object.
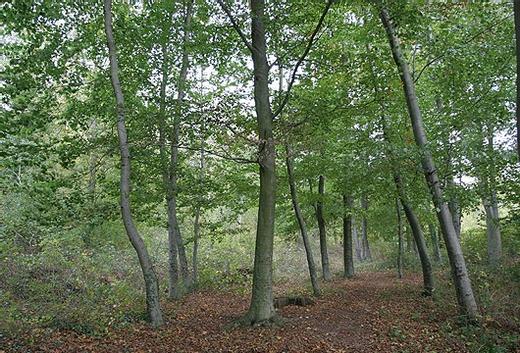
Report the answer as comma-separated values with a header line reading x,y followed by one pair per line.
x,y
150,278
172,190
301,221
460,275
322,229
261,308
403,200
348,251
418,237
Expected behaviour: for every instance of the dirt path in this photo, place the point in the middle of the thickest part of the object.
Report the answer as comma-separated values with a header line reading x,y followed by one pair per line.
x,y
373,312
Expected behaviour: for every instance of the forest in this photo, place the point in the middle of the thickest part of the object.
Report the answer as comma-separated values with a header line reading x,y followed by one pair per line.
x,y
260,176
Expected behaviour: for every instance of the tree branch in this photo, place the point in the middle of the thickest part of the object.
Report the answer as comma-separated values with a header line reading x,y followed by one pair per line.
x,y
235,25
302,58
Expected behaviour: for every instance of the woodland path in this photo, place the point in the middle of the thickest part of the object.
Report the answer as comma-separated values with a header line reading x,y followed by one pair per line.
x,y
373,312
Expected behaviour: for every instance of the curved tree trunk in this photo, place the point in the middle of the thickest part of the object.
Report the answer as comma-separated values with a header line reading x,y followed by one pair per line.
x,y
301,223
419,243
322,230
460,275
418,236
150,278
348,256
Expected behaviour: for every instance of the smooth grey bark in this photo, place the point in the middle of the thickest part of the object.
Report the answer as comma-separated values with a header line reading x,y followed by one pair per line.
x,y
493,229
348,256
516,10
322,230
400,252
301,222
150,278
435,244
261,308
174,229
418,236
494,239
367,254
465,296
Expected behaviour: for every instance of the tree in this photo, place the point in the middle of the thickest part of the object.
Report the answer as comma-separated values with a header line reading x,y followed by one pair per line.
x,y
348,254
301,222
322,230
261,309
150,278
460,275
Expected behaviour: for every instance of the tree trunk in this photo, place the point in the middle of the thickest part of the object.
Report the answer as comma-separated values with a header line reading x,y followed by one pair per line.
x,y
421,248
348,256
453,202
461,279
355,239
261,308
301,223
494,239
174,228
196,237
196,223
435,244
322,230
454,207
516,9
173,267
418,236
490,204
400,239
150,278
367,255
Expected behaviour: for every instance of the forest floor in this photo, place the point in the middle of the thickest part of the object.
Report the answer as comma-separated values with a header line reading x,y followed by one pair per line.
x,y
373,312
